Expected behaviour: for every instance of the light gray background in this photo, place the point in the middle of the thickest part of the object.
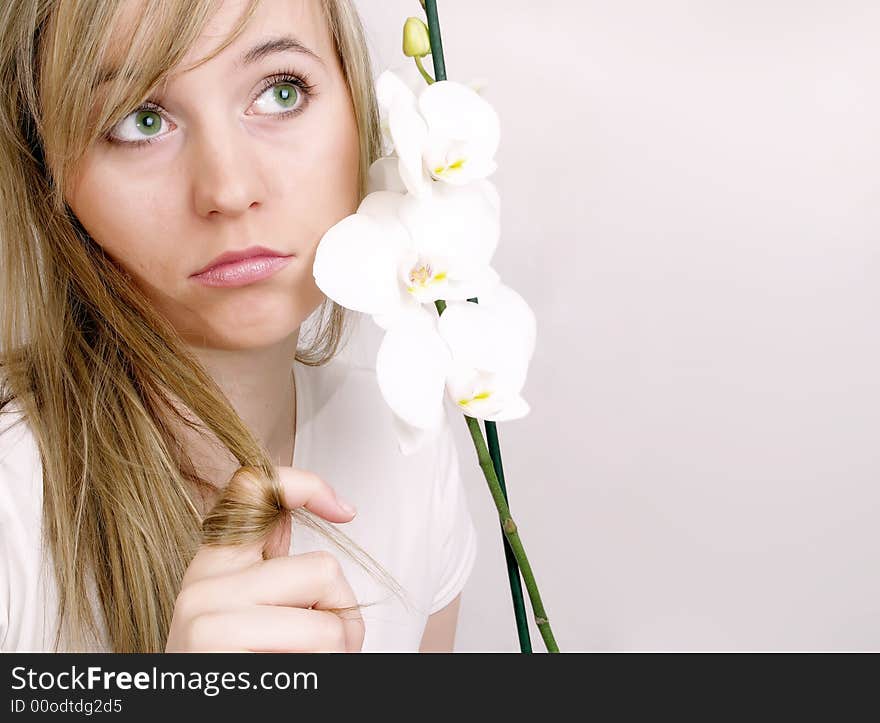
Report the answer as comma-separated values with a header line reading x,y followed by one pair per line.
x,y
691,206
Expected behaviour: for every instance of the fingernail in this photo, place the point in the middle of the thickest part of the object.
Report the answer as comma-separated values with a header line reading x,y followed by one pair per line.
x,y
346,507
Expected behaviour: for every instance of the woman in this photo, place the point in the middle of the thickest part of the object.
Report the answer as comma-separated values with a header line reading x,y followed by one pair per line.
x,y
163,420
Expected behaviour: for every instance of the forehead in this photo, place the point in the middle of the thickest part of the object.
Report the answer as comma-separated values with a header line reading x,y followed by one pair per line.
x,y
297,26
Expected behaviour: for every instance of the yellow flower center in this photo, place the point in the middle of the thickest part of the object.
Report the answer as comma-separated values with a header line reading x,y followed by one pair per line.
x,y
422,276
446,170
476,398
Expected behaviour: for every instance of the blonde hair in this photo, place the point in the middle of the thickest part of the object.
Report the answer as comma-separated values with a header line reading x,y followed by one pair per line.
x,y
94,367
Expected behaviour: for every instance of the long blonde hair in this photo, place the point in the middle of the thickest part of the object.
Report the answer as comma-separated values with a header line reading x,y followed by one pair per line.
x,y
93,366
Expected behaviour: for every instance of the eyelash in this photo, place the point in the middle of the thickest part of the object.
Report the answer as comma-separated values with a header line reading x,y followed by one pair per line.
x,y
300,80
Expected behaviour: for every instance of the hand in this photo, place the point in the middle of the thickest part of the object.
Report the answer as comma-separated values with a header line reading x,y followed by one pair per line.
x,y
232,599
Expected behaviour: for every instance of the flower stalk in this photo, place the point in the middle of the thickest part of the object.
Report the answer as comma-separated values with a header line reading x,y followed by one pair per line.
x,y
511,533
428,79
514,552
522,623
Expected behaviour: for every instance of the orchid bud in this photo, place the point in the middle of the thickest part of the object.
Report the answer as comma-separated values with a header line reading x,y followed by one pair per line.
x,y
416,40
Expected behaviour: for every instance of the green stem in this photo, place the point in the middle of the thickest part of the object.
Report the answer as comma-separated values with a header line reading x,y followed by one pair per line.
x,y
512,534
519,608
436,40
428,79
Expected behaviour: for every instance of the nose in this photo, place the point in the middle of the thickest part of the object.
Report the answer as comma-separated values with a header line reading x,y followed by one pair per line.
x,y
226,177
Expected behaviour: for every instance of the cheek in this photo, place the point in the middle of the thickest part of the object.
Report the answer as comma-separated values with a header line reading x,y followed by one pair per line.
x,y
320,177
125,222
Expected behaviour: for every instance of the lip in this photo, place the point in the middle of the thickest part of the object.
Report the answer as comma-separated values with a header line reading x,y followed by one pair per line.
x,y
229,256
238,268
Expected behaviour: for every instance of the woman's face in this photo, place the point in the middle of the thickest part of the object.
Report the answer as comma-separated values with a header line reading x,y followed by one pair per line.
x,y
226,171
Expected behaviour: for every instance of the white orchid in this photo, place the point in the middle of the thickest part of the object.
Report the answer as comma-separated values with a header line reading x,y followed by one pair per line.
x,y
477,355
447,133
426,232
399,251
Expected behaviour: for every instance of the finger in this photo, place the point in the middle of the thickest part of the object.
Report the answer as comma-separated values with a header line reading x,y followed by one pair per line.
x,y
312,579
268,629
299,488
306,489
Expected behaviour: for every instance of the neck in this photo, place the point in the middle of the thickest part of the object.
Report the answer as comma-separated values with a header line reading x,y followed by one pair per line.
x,y
259,384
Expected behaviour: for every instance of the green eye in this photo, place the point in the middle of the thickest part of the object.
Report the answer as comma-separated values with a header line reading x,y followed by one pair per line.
x,y
149,122
286,94
287,91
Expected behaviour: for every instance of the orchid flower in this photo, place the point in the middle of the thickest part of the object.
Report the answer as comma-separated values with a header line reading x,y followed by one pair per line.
x,y
447,133
398,251
477,355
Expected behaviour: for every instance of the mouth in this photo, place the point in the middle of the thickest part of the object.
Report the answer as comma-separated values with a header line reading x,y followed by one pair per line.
x,y
239,268
240,255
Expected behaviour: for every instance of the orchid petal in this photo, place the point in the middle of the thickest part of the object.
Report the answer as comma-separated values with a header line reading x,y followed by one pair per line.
x,y
463,133
389,88
411,366
400,314
400,81
356,263
384,175
382,206
516,408
461,223
477,284
484,394
458,112
510,307
497,336
409,131
472,336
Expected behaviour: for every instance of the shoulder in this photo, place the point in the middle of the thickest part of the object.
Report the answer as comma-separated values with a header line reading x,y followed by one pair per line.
x,y
20,467
21,483
21,502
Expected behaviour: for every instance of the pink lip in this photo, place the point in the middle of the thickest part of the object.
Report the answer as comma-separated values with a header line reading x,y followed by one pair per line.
x,y
239,268
239,255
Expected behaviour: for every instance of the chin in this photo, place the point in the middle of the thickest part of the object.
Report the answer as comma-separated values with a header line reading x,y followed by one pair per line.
x,y
242,339
248,323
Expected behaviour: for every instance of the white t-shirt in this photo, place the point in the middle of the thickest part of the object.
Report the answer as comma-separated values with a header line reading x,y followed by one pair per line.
x,y
413,516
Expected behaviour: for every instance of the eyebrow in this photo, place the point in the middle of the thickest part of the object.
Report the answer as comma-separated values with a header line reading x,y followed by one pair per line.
x,y
270,46
276,45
